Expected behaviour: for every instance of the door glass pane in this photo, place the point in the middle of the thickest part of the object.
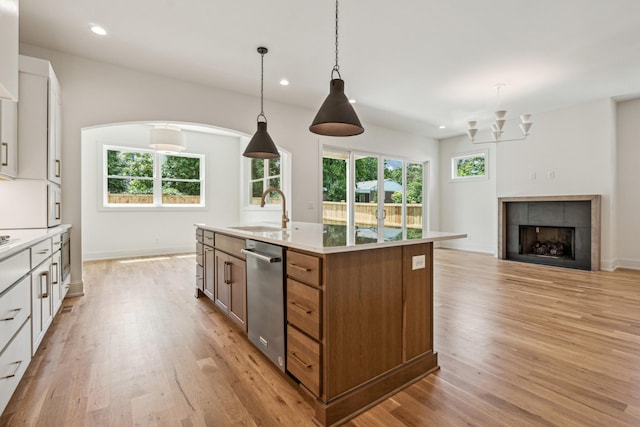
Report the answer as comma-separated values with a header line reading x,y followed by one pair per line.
x,y
415,173
366,199
393,193
334,188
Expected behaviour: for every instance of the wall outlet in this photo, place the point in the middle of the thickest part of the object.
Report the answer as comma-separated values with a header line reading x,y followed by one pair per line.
x,y
551,175
310,206
532,176
418,262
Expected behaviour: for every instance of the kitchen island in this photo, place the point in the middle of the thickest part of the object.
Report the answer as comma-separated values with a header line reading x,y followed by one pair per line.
x,y
359,311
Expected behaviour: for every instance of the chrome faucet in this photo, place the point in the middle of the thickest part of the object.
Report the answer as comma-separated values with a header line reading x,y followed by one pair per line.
x,y
285,219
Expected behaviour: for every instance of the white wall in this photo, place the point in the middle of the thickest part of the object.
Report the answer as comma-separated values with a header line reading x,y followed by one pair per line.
x,y
109,233
628,127
468,206
96,93
570,151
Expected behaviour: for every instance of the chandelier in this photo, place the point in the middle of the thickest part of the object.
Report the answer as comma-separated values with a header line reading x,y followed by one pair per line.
x,y
498,125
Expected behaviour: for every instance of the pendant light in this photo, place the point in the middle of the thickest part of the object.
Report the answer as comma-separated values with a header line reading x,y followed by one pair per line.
x,y
261,145
167,139
336,116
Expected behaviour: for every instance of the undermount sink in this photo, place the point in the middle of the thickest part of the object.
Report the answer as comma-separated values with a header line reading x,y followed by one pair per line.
x,y
257,228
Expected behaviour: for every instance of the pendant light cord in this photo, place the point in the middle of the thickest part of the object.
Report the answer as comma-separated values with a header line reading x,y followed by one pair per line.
x,y
336,67
262,86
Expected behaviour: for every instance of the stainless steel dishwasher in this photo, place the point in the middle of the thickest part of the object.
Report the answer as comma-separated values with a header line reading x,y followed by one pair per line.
x,y
265,299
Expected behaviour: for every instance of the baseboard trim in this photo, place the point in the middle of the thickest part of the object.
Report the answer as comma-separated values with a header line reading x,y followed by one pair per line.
x,y
628,263
76,289
135,253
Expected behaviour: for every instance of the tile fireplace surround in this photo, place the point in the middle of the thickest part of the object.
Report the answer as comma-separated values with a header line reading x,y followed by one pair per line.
x,y
551,211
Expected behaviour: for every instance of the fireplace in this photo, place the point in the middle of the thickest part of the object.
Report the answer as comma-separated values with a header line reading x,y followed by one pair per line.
x,y
554,242
561,231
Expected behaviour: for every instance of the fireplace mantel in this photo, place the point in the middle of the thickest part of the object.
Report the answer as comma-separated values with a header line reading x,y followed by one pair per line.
x,y
503,203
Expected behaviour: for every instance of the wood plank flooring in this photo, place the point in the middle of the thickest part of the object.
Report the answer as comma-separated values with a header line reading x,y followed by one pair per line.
x,y
518,344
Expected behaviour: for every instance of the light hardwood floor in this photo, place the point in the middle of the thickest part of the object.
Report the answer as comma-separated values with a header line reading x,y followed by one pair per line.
x,y
519,345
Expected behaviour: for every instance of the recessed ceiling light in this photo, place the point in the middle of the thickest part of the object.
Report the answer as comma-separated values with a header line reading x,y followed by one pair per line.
x,y
352,101
284,82
97,29
443,127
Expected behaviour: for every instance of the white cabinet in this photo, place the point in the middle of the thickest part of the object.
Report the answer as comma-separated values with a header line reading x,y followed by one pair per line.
x,y
41,294
39,121
9,49
8,139
15,325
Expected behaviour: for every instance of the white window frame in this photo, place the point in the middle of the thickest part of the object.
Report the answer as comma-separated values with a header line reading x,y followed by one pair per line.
x,y
157,182
453,177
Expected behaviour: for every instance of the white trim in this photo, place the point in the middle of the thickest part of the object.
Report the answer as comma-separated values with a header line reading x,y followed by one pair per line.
x,y
285,184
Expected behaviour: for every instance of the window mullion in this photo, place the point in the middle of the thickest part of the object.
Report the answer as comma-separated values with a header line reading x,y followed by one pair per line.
x,y
157,181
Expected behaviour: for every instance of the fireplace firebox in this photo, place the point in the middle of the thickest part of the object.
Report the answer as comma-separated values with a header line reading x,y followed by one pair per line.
x,y
541,241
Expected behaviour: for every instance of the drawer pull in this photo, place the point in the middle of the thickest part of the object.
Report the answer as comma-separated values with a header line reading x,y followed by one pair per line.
x,y
302,362
44,251
300,307
15,312
5,162
44,294
13,374
299,267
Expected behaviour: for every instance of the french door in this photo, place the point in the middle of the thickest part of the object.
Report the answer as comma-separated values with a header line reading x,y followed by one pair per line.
x,y
380,197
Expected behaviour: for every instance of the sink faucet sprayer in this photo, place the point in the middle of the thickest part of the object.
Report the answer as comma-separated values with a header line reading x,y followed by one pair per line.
x,y
284,204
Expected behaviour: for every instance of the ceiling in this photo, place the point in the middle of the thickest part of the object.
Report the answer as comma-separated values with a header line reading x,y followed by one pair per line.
x,y
410,64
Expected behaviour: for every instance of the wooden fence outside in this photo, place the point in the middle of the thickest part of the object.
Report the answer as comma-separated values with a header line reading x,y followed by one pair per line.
x,y
147,199
365,214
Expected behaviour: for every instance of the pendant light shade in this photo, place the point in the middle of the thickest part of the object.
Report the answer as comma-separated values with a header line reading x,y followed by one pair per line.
x,y
261,145
167,139
336,116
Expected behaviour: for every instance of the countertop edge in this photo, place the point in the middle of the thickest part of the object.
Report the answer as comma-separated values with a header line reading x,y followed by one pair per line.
x,y
24,243
436,236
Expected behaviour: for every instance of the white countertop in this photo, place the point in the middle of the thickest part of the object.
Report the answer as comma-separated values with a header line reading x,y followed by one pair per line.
x,y
23,238
325,239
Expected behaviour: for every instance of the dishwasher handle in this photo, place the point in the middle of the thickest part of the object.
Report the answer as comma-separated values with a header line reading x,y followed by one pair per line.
x,y
261,257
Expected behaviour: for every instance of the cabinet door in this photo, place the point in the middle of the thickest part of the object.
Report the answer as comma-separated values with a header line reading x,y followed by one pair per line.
x,y
54,148
222,294
41,307
209,272
55,276
237,277
9,49
8,139
417,302
54,200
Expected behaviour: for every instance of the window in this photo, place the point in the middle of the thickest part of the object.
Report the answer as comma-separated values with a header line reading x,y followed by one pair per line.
x,y
145,178
469,166
265,173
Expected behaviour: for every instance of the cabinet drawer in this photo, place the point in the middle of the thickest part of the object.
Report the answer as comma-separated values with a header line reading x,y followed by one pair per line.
x,y
303,359
305,268
13,268
40,252
199,277
230,245
200,235
13,363
303,307
15,307
208,237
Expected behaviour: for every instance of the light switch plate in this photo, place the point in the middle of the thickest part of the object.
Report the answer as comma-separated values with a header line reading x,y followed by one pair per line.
x,y
418,262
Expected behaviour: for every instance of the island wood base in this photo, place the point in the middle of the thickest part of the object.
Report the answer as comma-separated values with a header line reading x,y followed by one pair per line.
x,y
371,393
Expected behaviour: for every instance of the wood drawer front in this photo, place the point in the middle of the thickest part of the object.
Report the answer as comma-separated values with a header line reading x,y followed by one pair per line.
x,y
199,235
305,268
13,268
208,238
230,245
303,359
13,363
15,307
303,307
40,252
